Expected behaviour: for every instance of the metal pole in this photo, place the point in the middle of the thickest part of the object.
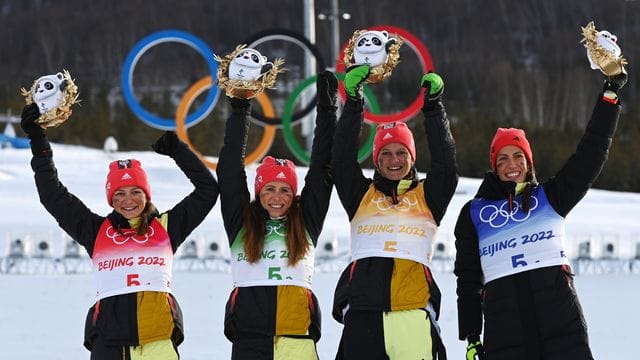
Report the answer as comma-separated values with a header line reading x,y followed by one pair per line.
x,y
335,41
309,69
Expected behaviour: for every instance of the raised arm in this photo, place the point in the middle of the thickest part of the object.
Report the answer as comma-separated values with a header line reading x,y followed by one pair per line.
x,y
185,216
234,195
442,179
571,183
350,182
73,216
316,194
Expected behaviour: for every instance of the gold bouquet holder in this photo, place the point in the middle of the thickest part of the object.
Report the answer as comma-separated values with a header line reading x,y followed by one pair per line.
x,y
602,50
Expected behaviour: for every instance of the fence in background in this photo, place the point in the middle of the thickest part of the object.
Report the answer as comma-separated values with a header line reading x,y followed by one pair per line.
x,y
209,251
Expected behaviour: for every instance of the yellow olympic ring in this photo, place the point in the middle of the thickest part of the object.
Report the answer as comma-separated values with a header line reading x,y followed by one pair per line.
x,y
183,108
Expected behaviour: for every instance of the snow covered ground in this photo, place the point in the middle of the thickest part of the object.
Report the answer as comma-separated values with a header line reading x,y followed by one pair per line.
x,y
42,315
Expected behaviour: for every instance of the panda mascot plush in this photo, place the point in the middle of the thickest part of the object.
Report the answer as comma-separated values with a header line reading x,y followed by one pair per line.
x,y
376,49
603,51
54,94
248,65
245,73
49,92
372,48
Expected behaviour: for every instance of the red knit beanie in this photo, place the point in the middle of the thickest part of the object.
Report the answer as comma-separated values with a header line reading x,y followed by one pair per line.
x,y
395,132
509,136
273,169
126,173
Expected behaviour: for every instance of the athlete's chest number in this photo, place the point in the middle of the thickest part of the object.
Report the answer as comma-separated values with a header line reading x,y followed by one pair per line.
x,y
274,273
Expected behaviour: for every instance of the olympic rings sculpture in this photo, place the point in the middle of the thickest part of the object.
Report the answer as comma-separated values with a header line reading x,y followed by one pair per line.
x,y
425,60
192,93
300,41
300,153
268,118
126,77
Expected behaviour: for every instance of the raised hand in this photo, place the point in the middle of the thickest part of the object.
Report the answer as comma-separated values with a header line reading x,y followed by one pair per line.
x,y
30,114
354,78
166,144
434,86
327,88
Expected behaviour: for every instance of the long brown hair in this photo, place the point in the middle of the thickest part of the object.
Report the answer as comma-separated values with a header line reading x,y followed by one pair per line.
x,y
255,219
528,189
143,224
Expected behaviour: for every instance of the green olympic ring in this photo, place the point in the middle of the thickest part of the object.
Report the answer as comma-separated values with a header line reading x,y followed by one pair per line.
x,y
301,153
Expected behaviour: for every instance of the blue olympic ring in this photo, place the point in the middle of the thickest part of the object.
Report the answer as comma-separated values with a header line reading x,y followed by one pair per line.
x,y
126,78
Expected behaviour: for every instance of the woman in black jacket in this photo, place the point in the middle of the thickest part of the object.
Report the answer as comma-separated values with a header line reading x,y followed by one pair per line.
x,y
511,262
135,315
386,297
272,312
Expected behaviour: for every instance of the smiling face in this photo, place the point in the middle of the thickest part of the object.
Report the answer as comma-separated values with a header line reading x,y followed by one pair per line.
x,y
276,197
511,164
394,161
129,201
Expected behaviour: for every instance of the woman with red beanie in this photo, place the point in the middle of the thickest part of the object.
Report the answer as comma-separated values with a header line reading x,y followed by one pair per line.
x,y
272,312
135,315
387,298
511,262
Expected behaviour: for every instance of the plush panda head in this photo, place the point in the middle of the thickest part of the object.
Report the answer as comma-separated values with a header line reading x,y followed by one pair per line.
x,y
371,48
247,65
49,92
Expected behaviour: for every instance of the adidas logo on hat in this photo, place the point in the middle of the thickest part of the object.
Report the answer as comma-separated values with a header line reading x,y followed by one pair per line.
x,y
387,136
126,176
281,175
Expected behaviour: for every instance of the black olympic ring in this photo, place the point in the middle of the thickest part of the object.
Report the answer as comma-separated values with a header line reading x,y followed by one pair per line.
x,y
301,41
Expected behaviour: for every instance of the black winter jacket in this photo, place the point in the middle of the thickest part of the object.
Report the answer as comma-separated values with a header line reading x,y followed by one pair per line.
x,y
251,311
117,319
534,314
366,284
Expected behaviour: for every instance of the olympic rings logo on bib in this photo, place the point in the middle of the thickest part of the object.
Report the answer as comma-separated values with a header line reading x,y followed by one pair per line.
x,y
121,239
500,216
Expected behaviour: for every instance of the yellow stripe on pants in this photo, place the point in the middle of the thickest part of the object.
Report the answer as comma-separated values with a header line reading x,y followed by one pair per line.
x,y
407,334
157,350
286,348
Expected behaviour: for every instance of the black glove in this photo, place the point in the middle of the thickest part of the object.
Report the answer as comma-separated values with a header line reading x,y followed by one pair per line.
x,y
475,350
238,104
166,144
327,88
616,82
30,114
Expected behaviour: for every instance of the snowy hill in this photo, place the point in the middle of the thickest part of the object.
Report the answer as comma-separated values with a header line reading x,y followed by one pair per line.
x,y
43,314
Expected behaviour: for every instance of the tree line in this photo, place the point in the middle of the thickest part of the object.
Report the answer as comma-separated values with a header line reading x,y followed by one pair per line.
x,y
504,63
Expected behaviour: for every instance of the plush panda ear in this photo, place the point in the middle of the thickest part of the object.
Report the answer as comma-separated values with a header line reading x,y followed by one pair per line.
x,y
266,68
64,84
264,59
385,33
387,46
59,76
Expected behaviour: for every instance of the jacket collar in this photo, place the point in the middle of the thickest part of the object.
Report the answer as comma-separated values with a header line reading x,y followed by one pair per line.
x,y
390,187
